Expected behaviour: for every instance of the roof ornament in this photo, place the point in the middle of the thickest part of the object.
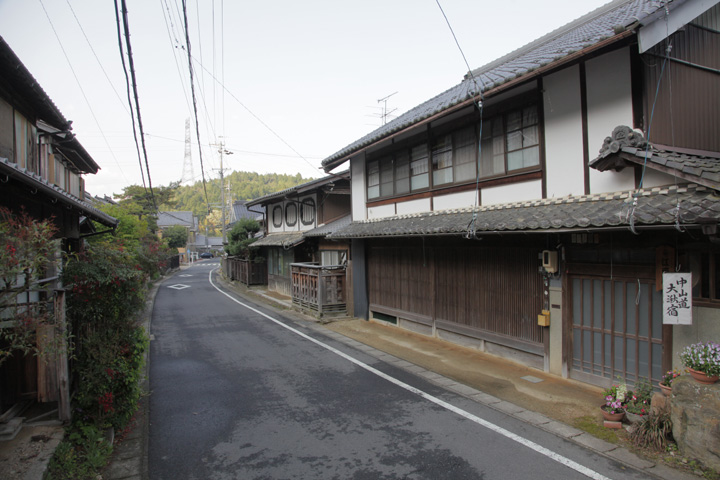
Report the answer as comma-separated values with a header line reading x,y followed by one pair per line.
x,y
622,136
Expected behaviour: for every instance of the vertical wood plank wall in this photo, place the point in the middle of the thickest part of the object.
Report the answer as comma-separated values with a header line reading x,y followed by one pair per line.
x,y
497,289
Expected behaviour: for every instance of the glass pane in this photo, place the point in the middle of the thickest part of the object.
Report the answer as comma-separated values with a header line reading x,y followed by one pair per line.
x,y
656,362
418,151
373,173
515,160
577,294
530,136
420,181
442,159
386,171
608,305
530,116
465,171
514,140
656,314
597,304
619,308
497,127
576,348
607,371
498,146
374,192
631,317
465,154
597,352
643,359
443,176
644,314
587,303
514,120
402,186
418,167
631,359
386,189
464,138
619,357
587,359
402,166
531,157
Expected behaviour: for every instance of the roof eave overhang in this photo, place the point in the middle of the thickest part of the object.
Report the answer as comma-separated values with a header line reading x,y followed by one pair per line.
x,y
333,162
480,233
38,185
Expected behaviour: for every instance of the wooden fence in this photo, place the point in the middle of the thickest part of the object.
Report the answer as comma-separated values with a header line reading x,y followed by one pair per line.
x,y
245,271
320,289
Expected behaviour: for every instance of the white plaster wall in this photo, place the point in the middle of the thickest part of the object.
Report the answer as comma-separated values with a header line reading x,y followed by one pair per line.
x,y
455,200
609,102
515,192
413,206
381,211
653,178
563,133
357,174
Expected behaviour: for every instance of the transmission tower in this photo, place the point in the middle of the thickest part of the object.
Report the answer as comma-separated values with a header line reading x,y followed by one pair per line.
x,y
188,176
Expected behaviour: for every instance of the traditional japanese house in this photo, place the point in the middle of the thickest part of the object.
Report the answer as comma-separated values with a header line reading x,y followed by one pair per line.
x,y
41,168
530,210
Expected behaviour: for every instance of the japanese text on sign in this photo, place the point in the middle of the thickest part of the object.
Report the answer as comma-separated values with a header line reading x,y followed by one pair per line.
x,y
677,298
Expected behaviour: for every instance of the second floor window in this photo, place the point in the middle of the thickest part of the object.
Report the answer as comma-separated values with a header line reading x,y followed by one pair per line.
x,y
510,144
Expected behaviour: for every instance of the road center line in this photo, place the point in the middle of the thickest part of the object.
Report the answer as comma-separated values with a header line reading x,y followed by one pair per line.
x,y
489,425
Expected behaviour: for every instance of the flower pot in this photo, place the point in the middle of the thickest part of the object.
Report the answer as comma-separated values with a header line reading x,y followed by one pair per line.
x,y
633,417
611,417
667,391
702,377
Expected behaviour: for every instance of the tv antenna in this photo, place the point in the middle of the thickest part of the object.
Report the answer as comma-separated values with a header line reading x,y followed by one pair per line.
x,y
385,113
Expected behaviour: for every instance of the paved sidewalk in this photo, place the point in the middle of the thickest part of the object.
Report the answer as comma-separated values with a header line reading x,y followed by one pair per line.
x,y
484,378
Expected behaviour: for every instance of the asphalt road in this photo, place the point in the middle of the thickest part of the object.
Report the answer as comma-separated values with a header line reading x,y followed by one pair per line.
x,y
239,392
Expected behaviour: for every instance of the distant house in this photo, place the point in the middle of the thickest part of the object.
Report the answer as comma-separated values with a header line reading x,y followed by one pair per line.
x,y
204,243
240,210
41,168
486,216
297,221
185,219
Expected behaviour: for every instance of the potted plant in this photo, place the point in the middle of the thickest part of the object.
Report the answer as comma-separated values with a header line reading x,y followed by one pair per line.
x,y
639,402
666,381
615,401
702,360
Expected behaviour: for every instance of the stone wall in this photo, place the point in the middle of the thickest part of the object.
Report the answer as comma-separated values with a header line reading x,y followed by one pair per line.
x,y
695,415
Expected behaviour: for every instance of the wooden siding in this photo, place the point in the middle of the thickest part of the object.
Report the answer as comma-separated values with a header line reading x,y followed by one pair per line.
x,y
686,113
495,290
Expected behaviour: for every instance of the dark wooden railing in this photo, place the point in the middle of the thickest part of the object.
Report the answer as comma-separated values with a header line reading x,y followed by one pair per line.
x,y
245,271
320,289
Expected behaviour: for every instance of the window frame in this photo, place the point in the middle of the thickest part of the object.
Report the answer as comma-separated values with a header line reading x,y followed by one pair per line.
x,y
308,204
277,213
291,209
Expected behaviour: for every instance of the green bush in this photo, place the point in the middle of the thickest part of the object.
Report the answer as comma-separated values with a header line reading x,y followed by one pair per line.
x,y
82,455
653,431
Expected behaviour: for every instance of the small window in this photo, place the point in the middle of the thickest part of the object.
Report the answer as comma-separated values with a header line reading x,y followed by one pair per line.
x,y
705,268
291,214
277,216
373,176
307,215
333,257
419,175
510,142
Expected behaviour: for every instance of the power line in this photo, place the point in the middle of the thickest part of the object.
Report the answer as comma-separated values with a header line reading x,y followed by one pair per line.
x,y
77,80
192,88
127,89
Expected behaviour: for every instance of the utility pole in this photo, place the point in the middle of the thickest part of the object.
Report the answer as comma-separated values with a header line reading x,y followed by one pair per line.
x,y
222,152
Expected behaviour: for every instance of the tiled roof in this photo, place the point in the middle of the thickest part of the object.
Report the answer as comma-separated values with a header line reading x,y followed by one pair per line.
x,y
308,186
656,206
203,241
35,181
626,146
240,210
285,239
328,228
168,219
584,32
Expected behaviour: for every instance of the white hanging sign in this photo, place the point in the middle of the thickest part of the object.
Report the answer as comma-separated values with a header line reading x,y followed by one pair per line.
x,y
677,298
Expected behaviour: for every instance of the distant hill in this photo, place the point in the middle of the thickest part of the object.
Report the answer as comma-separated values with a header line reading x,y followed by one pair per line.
x,y
243,186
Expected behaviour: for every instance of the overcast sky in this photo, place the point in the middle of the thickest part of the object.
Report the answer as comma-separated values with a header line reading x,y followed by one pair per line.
x,y
302,78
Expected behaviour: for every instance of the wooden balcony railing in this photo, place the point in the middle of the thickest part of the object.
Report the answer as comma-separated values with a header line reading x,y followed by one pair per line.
x,y
245,271
320,289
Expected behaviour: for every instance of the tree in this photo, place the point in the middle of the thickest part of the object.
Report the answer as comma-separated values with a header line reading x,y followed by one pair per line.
x,y
241,236
139,201
176,236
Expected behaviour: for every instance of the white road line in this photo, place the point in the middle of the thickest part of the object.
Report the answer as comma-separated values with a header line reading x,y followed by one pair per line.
x,y
495,428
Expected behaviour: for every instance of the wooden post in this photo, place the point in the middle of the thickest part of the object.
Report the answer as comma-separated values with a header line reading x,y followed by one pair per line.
x,y
63,375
